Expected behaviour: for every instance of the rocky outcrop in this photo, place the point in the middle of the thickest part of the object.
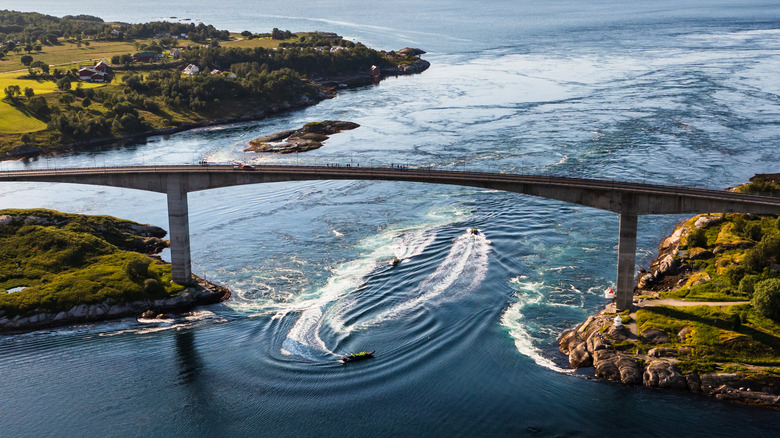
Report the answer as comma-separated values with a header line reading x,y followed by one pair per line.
x,y
616,366
202,293
663,374
309,137
655,336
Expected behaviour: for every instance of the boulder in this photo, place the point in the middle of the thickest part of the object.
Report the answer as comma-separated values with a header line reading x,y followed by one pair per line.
x,y
662,352
683,334
684,351
714,382
568,341
666,265
705,221
663,374
616,366
79,312
655,336
596,342
693,381
618,333
410,51
580,357
646,280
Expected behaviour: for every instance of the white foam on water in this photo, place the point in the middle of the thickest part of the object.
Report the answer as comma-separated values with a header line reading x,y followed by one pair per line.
x,y
303,338
529,295
461,271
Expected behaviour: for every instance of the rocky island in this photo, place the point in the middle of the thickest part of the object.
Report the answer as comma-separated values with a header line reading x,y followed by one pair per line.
x,y
309,137
706,314
58,268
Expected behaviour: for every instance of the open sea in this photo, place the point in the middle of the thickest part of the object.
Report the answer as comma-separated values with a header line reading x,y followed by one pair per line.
x,y
672,92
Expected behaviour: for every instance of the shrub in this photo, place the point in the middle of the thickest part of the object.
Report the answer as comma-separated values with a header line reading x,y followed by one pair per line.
x,y
748,283
766,298
697,238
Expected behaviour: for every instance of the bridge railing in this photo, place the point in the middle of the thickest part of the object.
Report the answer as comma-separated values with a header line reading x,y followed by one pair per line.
x,y
485,173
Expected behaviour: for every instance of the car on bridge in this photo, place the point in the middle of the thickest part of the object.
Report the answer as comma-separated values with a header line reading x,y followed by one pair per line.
x,y
243,167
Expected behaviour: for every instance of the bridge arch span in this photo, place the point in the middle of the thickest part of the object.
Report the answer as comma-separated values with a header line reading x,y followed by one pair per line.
x,y
629,200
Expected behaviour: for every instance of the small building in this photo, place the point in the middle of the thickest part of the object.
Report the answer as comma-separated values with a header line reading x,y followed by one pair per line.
x,y
144,57
89,74
375,71
100,72
101,66
216,72
191,69
175,53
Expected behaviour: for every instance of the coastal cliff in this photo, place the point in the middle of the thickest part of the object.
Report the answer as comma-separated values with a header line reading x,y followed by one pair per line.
x,y
694,325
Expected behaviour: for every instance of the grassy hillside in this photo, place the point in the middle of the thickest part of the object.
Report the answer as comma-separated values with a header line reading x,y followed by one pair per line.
x,y
62,260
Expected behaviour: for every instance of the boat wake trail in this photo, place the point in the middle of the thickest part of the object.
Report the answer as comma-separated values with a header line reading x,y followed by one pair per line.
x,y
304,339
462,271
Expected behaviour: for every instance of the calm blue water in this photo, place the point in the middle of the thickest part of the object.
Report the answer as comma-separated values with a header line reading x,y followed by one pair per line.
x,y
673,92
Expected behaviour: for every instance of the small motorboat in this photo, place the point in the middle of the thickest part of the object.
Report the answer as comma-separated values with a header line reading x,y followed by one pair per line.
x,y
474,231
354,357
395,262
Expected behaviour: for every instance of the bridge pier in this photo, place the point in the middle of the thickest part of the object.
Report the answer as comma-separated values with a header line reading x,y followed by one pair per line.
x,y
179,228
624,295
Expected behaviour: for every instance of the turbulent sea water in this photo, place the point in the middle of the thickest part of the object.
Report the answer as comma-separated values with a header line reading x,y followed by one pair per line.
x,y
673,92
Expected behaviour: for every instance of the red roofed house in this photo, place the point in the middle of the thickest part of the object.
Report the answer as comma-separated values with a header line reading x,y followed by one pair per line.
x,y
101,72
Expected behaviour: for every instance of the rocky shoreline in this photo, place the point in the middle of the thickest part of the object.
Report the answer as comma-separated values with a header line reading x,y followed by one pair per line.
x,y
610,344
199,294
328,89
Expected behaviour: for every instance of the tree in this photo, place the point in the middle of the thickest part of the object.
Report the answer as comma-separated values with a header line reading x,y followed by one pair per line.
x,y
86,102
67,99
29,92
766,298
39,106
41,65
64,84
26,60
28,48
12,91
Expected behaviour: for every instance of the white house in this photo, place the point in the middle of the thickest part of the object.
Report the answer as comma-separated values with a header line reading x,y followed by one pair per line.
x,y
191,69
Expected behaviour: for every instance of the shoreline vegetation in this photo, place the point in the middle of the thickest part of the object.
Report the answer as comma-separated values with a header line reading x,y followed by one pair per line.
x,y
159,78
706,314
60,268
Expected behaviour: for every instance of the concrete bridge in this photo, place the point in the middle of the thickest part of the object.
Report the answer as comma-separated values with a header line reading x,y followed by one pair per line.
x,y
629,200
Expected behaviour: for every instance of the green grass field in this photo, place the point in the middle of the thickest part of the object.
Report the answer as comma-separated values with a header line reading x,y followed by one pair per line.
x,y
13,121
67,54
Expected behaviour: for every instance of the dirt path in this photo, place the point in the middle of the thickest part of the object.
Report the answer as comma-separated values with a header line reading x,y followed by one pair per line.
x,y
680,303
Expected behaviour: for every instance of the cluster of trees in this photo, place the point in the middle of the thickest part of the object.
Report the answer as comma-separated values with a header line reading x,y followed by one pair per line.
x,y
319,41
196,33
30,27
756,276
307,61
198,92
